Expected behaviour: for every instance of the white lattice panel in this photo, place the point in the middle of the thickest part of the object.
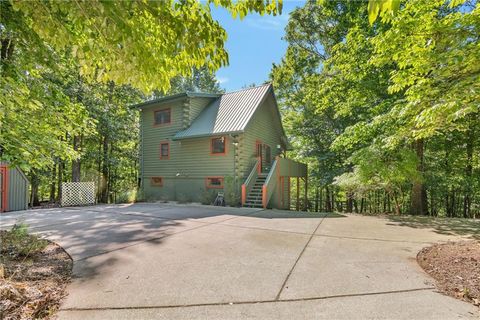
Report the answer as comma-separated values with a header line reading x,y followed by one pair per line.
x,y
78,193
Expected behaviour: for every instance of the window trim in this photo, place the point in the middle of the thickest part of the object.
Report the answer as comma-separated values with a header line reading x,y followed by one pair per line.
x,y
160,151
209,186
225,144
152,184
165,123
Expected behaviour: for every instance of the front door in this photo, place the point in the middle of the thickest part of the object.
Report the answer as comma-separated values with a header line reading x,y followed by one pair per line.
x,y
259,147
268,155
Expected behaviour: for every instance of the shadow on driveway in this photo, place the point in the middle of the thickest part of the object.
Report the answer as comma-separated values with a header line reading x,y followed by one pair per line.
x,y
87,232
444,226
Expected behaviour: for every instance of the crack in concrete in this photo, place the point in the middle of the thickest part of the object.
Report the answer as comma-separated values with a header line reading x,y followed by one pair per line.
x,y
339,296
371,239
298,258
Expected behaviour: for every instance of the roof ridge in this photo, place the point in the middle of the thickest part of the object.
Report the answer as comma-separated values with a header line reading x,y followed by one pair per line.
x,y
249,88
227,115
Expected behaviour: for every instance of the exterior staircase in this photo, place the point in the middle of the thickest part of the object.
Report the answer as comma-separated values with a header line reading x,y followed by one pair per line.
x,y
254,197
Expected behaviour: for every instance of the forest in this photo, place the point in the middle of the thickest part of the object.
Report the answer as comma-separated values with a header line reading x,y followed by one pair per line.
x,y
380,98
387,114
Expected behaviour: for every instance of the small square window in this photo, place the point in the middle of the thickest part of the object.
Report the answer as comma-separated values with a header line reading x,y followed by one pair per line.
x,y
214,183
162,116
218,145
164,150
156,181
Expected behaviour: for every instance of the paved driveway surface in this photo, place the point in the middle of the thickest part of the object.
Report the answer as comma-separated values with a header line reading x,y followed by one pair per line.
x,y
163,261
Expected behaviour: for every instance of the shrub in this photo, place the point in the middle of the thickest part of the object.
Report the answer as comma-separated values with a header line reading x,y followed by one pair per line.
x,y
128,196
140,196
183,198
207,197
18,242
232,196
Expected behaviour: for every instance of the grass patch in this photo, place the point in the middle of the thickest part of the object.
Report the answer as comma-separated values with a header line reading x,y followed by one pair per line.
x,y
19,243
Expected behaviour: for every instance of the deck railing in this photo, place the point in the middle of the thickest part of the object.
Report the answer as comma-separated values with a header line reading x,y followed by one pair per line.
x,y
281,167
270,183
248,184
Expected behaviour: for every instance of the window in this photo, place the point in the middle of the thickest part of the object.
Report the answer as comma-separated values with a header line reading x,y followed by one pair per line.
x,y
156,181
214,182
218,146
162,116
164,150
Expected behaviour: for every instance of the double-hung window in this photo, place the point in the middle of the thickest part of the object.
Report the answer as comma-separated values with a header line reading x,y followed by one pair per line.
x,y
164,150
218,146
162,117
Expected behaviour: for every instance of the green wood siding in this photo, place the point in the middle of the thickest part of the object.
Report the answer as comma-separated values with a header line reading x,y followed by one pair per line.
x,y
190,161
265,126
196,106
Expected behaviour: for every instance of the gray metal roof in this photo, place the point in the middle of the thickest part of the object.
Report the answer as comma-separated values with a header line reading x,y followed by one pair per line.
x,y
229,113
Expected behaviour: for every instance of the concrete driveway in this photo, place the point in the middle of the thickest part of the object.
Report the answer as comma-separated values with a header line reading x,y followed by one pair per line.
x,y
163,261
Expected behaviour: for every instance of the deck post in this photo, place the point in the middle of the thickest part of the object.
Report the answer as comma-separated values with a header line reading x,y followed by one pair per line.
x,y
244,194
298,194
305,203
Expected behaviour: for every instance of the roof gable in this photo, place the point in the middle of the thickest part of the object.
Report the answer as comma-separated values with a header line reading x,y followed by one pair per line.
x,y
175,97
229,113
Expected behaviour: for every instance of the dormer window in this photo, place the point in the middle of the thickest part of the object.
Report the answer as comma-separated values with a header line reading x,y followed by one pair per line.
x,y
218,146
162,117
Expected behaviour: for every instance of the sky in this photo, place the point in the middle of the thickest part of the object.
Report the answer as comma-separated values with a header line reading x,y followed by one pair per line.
x,y
253,44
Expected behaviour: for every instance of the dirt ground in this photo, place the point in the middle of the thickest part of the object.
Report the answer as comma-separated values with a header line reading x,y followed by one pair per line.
x,y
33,286
456,268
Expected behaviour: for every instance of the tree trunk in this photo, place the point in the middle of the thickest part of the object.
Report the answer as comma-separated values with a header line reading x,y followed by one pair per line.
x,y
328,204
321,200
452,204
316,199
53,182
332,201
76,163
34,200
469,170
398,210
419,193
349,201
60,180
105,161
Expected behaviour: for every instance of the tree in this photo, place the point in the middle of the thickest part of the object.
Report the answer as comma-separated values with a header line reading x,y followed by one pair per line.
x,y
201,80
401,86
311,121
129,42
144,44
